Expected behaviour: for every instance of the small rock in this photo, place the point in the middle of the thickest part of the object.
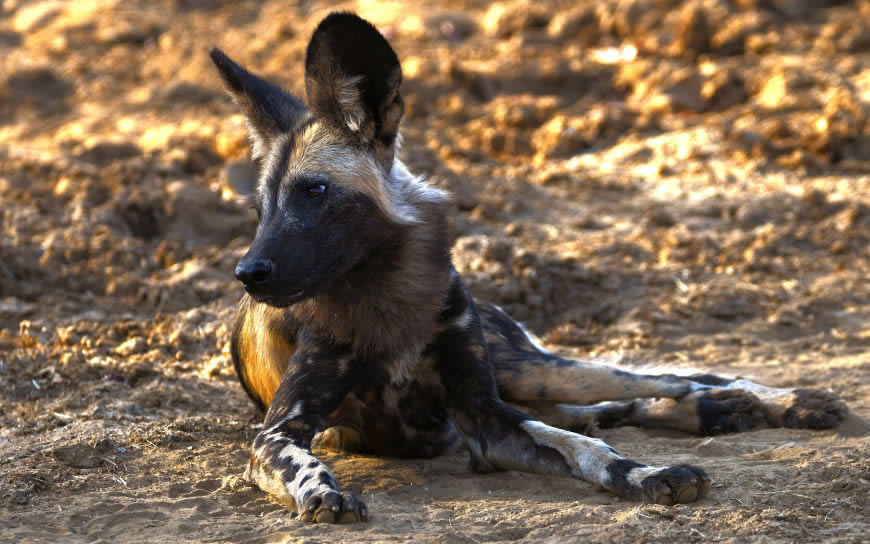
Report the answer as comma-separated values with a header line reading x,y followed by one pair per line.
x,y
193,159
856,215
523,111
784,89
659,217
580,23
681,93
559,138
628,19
33,17
103,153
504,20
723,90
40,89
750,215
451,26
786,317
504,142
841,131
126,33
132,346
178,338
477,84
498,249
515,228
799,158
663,87
731,38
693,31
759,44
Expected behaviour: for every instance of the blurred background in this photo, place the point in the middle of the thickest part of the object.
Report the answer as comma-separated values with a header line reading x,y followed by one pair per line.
x,y
682,182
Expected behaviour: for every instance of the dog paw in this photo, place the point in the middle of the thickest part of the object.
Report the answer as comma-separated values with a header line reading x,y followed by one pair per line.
x,y
671,485
333,507
814,409
728,411
676,484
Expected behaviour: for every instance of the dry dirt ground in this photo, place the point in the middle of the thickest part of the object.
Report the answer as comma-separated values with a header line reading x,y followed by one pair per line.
x,y
678,183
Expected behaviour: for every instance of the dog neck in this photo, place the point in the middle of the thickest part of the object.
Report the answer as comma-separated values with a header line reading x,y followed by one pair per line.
x,y
389,302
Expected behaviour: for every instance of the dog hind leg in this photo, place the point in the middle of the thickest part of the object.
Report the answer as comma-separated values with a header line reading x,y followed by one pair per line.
x,y
561,390
707,412
733,406
526,373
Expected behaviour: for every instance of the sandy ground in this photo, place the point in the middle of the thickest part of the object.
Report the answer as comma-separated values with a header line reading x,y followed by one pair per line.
x,y
673,183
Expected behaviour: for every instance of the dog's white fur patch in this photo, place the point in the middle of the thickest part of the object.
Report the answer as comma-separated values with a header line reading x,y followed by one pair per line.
x,y
588,457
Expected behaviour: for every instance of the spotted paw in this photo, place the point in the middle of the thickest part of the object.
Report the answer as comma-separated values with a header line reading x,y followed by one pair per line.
x,y
814,409
333,507
676,484
671,485
728,411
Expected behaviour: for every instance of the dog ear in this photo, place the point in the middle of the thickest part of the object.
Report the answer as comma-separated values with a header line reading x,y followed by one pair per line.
x,y
268,110
352,77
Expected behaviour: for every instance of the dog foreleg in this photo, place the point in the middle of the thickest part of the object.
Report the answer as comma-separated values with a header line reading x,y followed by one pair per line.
x,y
282,464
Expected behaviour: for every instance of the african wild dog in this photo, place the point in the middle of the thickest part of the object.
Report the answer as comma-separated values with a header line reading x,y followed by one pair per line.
x,y
357,332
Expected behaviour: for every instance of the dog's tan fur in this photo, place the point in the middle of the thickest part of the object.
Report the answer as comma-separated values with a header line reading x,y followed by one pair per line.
x,y
264,351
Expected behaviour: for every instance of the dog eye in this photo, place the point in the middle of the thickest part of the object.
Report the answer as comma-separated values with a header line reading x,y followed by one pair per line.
x,y
315,190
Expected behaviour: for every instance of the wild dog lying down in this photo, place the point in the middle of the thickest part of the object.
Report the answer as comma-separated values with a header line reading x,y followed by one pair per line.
x,y
356,330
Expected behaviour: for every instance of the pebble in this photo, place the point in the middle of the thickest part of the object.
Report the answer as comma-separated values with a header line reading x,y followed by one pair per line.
x,y
693,31
103,153
558,138
132,346
580,23
33,17
731,38
504,20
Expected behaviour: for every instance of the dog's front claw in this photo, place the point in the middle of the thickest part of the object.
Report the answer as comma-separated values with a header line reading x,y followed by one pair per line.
x,y
333,507
676,484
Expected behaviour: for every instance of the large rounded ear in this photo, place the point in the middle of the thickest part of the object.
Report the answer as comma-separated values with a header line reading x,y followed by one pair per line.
x,y
268,110
352,77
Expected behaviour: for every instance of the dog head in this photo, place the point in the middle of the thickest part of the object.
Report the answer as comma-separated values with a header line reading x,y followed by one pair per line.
x,y
329,192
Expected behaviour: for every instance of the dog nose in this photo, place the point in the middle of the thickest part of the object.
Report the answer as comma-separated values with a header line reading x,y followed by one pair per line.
x,y
254,272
